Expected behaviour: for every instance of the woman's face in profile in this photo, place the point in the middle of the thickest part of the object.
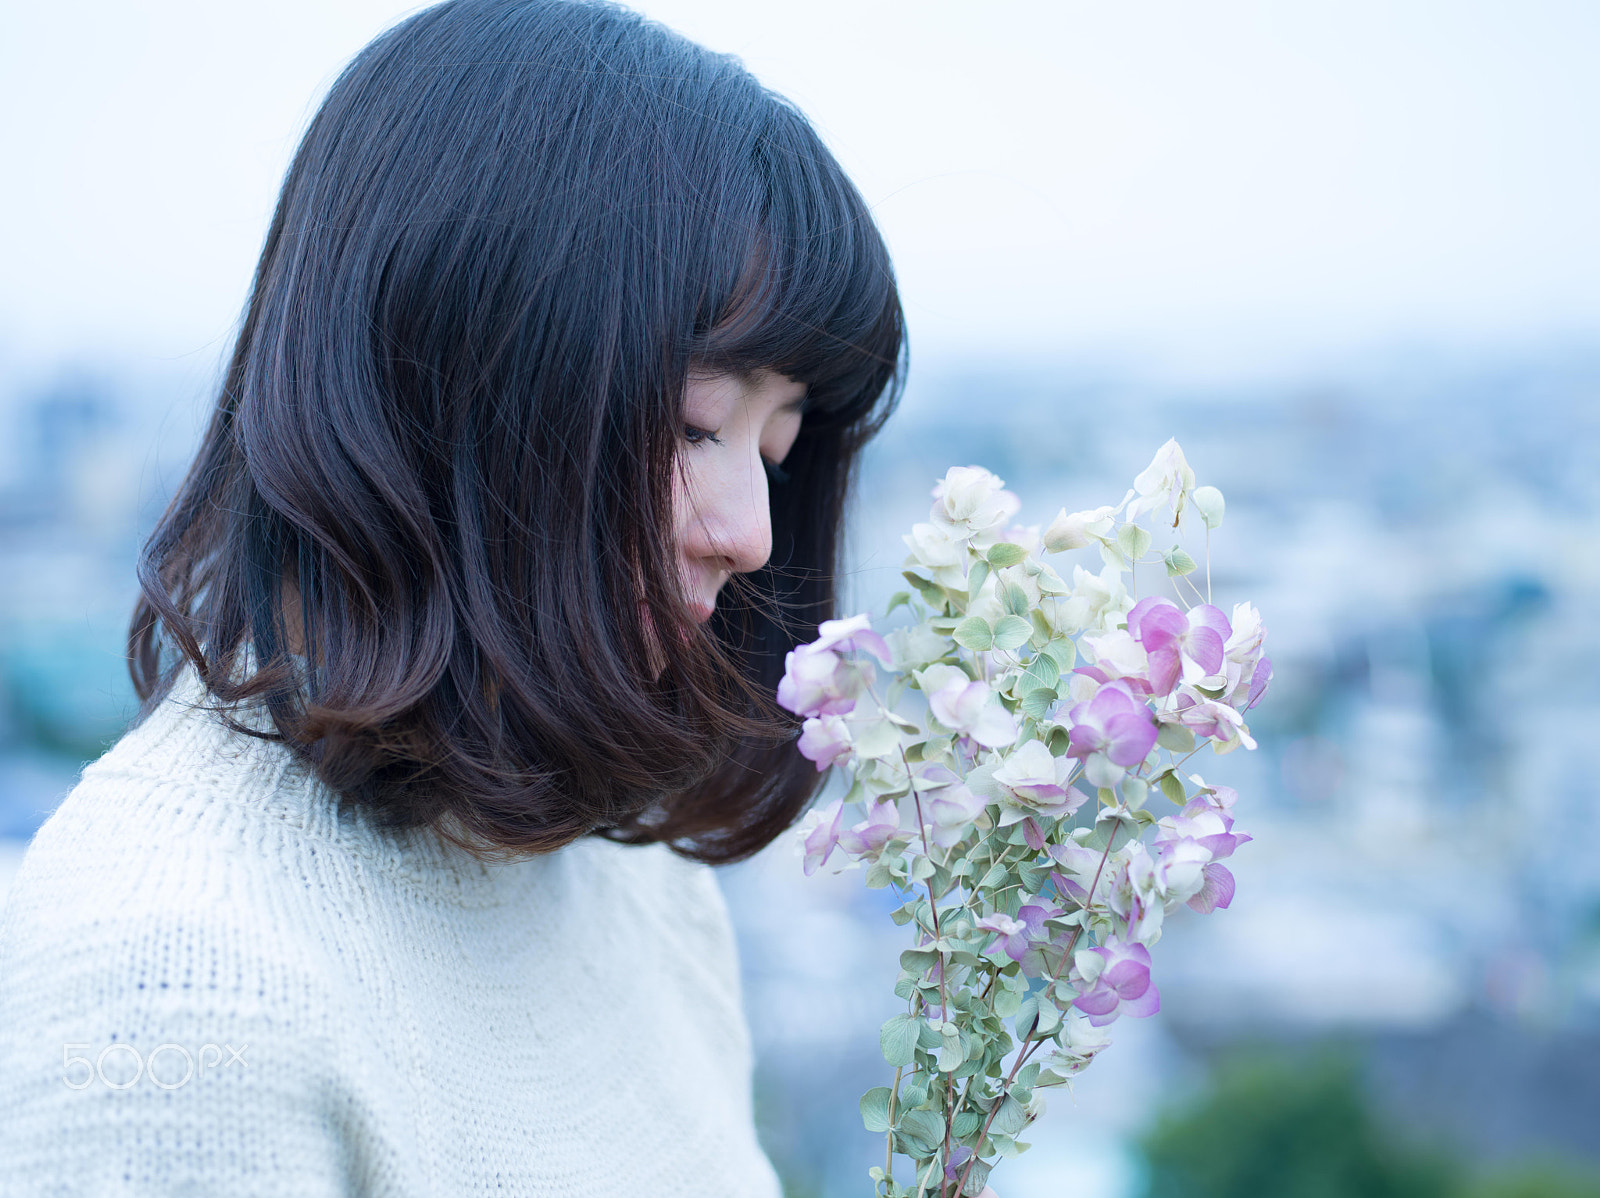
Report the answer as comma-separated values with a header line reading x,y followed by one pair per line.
x,y
735,427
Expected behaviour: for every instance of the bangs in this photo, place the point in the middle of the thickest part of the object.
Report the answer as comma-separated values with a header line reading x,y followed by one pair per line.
x,y
812,293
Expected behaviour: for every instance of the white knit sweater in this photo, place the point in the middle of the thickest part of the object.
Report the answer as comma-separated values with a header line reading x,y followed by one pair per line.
x,y
388,1016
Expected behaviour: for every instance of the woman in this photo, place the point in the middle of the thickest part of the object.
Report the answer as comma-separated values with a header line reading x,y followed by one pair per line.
x,y
456,647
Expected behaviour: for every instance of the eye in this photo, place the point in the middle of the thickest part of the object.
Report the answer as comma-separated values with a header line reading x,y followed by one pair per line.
x,y
699,436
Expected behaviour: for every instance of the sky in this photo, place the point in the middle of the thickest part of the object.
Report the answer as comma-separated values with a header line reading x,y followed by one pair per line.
x,y
1218,188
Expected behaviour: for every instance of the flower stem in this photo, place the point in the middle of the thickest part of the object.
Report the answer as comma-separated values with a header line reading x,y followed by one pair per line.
x,y
933,907
1026,1050
888,1139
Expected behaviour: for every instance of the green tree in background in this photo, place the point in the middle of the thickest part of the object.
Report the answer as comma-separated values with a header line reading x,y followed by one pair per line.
x,y
1552,1179
1302,1127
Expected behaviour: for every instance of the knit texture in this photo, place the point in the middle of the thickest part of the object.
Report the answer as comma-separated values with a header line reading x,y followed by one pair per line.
x,y
389,1016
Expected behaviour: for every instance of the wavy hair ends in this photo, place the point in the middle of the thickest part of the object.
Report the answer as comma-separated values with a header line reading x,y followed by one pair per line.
x,y
440,460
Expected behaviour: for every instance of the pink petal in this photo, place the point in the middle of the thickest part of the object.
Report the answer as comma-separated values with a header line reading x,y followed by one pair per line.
x,y
1210,618
1102,1000
1259,680
824,837
873,644
1032,834
1112,699
1217,892
1156,622
1165,669
1128,978
1145,1005
1131,737
1204,647
1083,740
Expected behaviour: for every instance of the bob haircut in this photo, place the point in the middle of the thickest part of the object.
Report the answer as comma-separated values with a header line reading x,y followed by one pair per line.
x,y
444,444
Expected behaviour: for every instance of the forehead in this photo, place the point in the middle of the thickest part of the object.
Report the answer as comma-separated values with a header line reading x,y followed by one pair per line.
x,y
725,390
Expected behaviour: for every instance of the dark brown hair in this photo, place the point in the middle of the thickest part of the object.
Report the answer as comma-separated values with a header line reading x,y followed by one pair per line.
x,y
449,425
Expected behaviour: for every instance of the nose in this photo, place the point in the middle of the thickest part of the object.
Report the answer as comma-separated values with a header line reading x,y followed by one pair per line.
x,y
735,521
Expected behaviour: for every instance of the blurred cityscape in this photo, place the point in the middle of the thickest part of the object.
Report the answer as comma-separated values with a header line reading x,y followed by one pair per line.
x,y
1420,533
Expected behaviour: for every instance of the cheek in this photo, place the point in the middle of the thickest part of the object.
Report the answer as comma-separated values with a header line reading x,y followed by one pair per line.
x,y
688,488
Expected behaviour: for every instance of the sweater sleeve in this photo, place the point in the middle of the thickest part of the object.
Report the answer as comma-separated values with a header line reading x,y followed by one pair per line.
x,y
159,1053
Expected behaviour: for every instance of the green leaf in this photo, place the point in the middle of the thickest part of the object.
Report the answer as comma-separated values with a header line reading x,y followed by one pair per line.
x,y
1209,503
974,633
1010,1118
915,1091
875,1109
1042,671
1133,541
926,1128
898,599
1037,703
965,1124
930,592
1173,789
1063,652
976,577
1012,632
1027,1013
918,960
878,876
1041,628
1117,831
1032,877
898,1039
1178,562
876,738
951,1053
1049,1019
977,1178
1016,601
998,875
1006,554
1175,738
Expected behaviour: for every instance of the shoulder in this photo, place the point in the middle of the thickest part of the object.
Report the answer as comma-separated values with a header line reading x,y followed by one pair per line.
x,y
138,910
148,898
147,1043
167,1006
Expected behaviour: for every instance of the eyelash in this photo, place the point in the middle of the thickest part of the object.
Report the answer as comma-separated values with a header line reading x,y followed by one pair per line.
x,y
700,436
697,436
